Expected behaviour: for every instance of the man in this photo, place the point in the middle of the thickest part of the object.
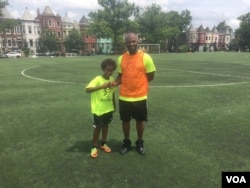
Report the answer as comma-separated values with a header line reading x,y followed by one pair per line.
x,y
135,70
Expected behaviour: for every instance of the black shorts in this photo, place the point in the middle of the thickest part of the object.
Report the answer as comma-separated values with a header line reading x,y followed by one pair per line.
x,y
102,120
134,109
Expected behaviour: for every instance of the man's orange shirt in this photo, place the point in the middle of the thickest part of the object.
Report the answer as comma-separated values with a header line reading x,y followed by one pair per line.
x,y
134,82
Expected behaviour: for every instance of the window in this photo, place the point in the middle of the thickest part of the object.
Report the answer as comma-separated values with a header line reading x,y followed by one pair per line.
x,y
29,29
18,30
59,34
8,31
38,30
9,42
31,42
50,23
45,22
58,24
14,43
19,42
36,42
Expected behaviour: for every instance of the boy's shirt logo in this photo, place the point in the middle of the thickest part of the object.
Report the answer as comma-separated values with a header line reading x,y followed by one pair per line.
x,y
107,94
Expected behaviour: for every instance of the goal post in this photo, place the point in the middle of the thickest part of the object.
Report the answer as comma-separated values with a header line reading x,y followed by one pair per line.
x,y
150,48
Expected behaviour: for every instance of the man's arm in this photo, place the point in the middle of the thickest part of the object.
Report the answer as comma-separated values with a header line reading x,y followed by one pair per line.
x,y
150,76
118,79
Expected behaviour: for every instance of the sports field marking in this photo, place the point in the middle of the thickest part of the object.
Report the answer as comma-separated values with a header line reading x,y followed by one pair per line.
x,y
213,74
43,80
160,86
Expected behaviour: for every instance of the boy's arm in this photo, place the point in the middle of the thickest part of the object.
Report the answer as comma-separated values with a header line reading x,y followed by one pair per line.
x,y
114,103
93,89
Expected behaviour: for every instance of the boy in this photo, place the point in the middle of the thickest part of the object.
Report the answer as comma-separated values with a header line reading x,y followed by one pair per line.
x,y
102,104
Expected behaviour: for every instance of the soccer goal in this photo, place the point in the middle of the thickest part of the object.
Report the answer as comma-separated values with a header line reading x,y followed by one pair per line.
x,y
150,48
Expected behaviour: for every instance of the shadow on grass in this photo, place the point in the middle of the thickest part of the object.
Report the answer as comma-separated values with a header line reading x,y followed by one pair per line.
x,y
80,146
84,146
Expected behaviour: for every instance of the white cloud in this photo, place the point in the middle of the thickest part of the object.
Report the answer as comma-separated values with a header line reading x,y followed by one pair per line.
x,y
208,13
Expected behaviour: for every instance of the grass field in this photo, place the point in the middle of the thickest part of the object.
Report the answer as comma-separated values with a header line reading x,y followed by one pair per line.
x,y
198,126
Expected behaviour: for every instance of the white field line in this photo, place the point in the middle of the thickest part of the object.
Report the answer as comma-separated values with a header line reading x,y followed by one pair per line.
x,y
213,74
209,85
164,86
43,80
192,86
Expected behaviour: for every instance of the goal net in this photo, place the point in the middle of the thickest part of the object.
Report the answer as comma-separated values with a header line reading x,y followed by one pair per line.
x,y
150,48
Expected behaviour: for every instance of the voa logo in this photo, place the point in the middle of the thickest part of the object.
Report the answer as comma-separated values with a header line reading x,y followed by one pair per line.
x,y
236,179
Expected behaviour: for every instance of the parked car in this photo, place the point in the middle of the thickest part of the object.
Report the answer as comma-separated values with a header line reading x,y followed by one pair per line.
x,y
13,54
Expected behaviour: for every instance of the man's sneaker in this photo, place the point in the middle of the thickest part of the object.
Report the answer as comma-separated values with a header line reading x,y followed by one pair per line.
x,y
139,147
105,148
125,147
94,152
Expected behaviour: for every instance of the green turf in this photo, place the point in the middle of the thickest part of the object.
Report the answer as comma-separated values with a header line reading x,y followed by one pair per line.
x,y
198,125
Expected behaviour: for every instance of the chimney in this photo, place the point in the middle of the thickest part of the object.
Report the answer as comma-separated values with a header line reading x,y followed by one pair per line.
x,y
38,12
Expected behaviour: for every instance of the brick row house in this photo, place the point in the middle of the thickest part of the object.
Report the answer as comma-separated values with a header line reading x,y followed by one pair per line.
x,y
204,39
10,38
29,30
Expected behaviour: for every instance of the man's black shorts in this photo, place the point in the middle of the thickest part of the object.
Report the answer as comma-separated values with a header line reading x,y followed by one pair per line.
x,y
133,109
102,120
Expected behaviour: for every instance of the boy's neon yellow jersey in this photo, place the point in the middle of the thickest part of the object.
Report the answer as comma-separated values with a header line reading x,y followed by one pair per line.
x,y
101,100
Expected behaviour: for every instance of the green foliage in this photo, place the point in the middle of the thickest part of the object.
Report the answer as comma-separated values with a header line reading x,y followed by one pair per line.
x,y
113,20
152,24
157,26
26,50
47,41
73,42
183,48
243,32
222,27
8,24
3,3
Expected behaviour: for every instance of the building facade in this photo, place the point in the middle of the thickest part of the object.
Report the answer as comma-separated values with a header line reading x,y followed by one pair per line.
x,y
204,39
10,38
30,30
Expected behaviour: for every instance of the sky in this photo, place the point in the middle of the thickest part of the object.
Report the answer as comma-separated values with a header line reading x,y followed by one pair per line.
x,y
208,13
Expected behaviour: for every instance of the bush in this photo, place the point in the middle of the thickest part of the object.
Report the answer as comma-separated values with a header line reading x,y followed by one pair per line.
x,y
183,48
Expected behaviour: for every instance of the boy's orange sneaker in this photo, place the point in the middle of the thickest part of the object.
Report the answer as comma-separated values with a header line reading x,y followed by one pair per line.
x,y
105,148
93,153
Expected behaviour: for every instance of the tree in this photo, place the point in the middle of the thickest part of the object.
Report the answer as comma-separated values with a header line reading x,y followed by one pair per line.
x,y
222,27
113,20
73,41
3,3
8,24
157,26
47,41
26,50
243,32
152,23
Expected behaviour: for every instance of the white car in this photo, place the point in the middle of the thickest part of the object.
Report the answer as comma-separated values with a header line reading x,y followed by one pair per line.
x,y
13,54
